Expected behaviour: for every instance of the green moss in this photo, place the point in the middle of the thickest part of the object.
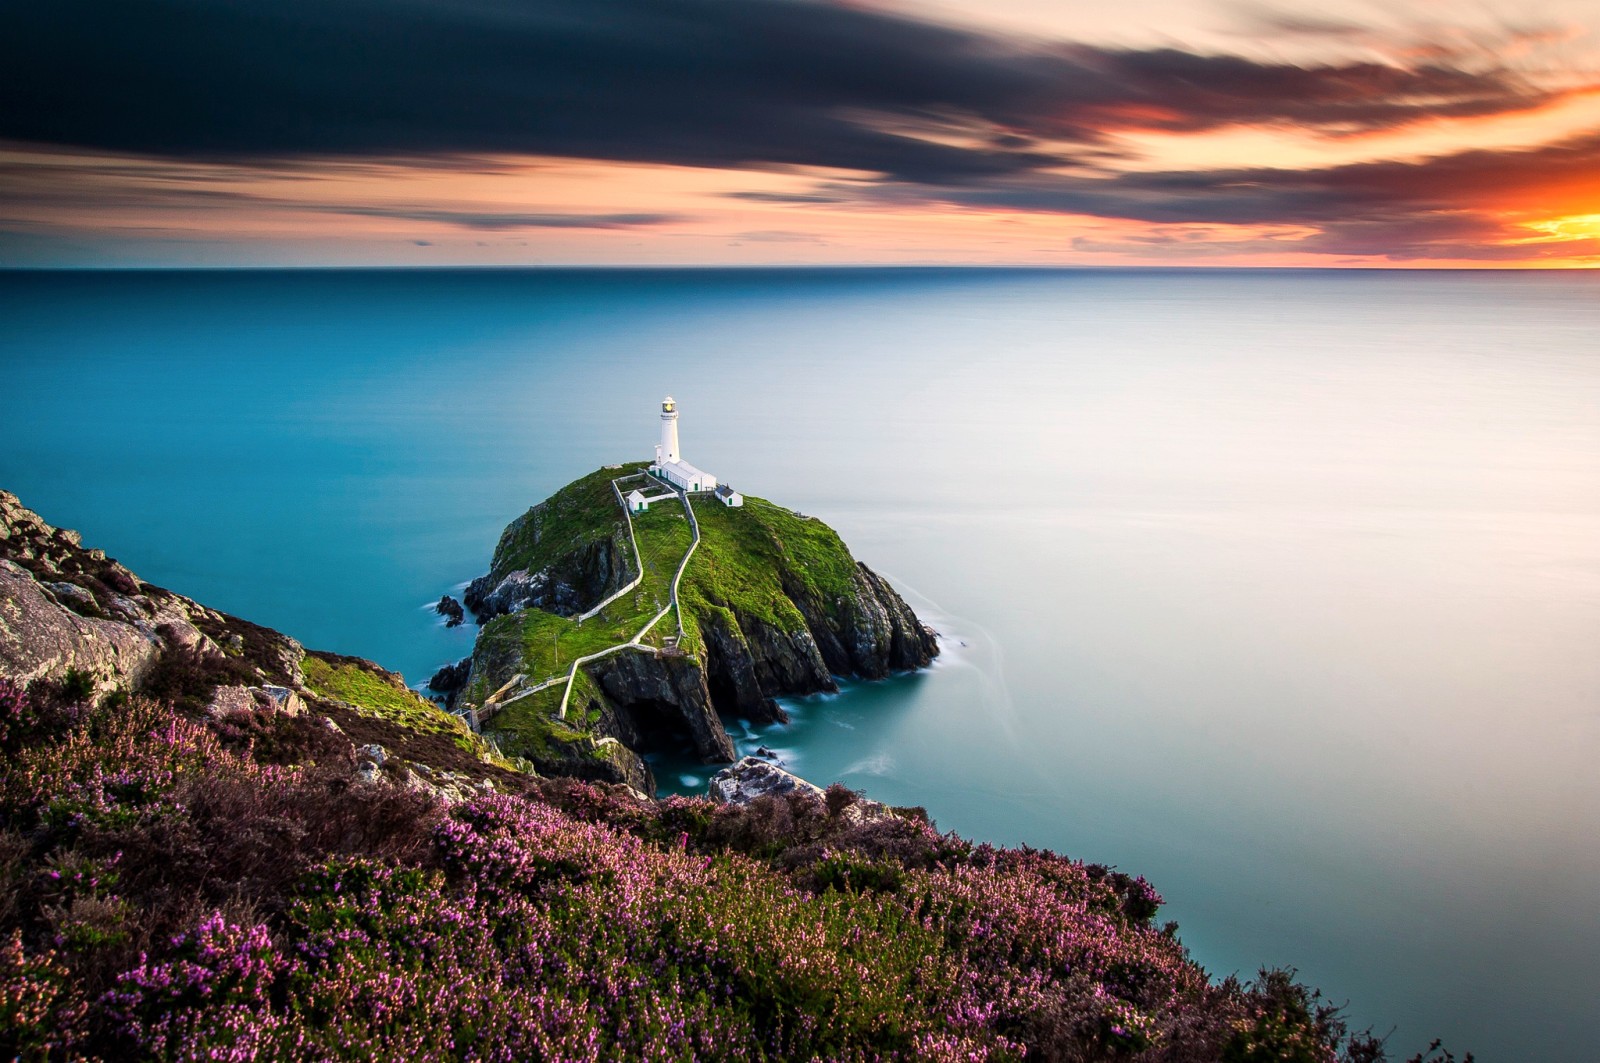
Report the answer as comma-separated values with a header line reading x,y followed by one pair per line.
x,y
581,513
387,699
529,727
753,558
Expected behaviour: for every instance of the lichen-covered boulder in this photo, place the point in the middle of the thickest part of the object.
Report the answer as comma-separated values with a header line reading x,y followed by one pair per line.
x,y
750,778
41,639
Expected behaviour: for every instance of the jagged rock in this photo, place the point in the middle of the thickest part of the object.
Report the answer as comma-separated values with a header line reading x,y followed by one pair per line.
x,y
569,586
592,759
870,634
74,597
451,610
228,700
367,774
375,751
861,810
750,778
285,700
731,667
451,678
660,696
888,636
41,639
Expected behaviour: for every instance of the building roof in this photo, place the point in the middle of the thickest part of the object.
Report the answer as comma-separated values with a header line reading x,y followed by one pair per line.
x,y
684,469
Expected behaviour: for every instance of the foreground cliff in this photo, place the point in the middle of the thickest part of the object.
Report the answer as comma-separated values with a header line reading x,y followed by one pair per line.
x,y
217,845
73,618
771,604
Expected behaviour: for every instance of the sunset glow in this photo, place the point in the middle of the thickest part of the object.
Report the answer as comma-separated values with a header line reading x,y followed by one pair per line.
x,y
806,131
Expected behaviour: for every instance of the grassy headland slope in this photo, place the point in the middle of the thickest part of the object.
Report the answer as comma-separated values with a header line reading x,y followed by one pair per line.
x,y
771,604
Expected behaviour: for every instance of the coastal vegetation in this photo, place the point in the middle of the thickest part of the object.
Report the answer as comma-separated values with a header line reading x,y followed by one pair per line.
x,y
167,894
235,849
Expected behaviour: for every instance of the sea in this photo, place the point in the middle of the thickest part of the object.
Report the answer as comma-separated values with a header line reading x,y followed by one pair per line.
x,y
1279,588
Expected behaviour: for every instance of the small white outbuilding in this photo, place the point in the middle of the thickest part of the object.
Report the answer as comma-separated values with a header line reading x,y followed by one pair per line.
x,y
637,503
729,497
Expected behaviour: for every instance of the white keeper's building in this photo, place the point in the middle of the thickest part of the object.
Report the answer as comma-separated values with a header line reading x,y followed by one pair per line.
x,y
670,466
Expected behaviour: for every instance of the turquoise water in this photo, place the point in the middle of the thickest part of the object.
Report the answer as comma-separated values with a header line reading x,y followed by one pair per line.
x,y
1282,589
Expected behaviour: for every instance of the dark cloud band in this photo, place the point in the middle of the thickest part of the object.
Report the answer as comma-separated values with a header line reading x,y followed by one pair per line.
x,y
742,83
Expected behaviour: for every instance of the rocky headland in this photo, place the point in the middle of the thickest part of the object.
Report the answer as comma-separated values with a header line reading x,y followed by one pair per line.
x,y
772,604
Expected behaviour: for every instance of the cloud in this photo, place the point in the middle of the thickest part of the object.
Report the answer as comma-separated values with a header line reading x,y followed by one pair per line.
x,y
778,236
495,220
1470,205
186,104
731,83
785,197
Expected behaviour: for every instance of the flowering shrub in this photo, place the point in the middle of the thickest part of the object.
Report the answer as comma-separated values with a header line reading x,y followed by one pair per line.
x,y
40,1014
15,718
169,896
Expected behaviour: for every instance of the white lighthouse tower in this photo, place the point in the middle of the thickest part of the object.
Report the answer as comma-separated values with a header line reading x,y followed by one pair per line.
x,y
667,449
669,464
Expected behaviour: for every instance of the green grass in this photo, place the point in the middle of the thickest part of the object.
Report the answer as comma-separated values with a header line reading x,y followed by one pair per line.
x,y
530,727
749,555
379,697
541,645
583,512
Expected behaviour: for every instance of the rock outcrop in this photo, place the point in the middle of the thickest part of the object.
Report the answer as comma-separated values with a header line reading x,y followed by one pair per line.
x,y
64,608
750,778
596,758
451,610
661,702
42,638
567,586
451,678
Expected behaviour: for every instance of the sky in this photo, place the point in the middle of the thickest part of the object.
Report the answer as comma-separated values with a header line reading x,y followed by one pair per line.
x,y
799,132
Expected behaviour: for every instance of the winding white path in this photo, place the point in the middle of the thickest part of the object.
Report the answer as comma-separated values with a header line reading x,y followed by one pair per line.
x,y
672,601
491,707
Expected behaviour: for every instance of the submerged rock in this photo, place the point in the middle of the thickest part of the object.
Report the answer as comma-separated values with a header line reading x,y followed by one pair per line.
x,y
451,610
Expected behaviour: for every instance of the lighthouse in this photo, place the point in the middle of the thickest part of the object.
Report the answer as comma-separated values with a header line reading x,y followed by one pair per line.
x,y
669,464
667,449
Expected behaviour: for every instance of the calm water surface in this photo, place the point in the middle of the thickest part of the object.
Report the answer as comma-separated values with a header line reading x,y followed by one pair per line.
x,y
1282,589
